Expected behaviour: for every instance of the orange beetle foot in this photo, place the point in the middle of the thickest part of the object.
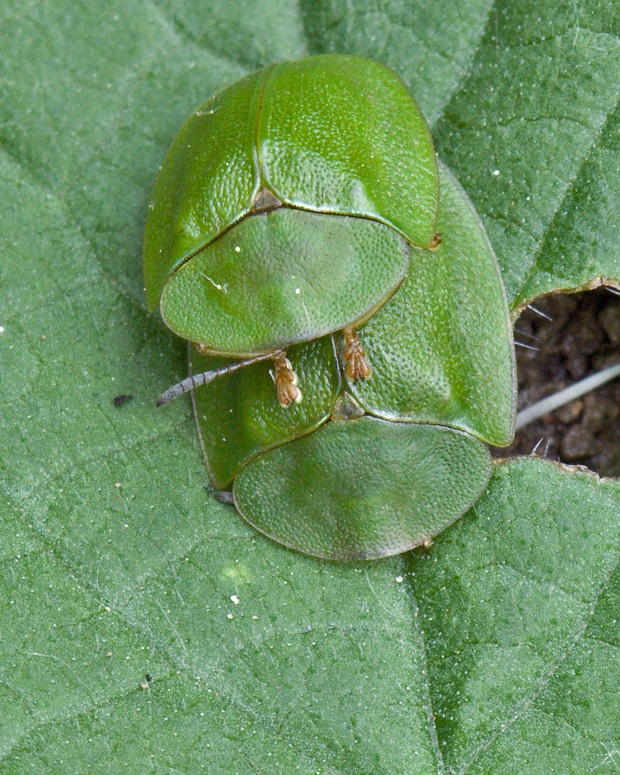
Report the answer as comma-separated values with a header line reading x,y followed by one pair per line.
x,y
285,380
435,241
354,356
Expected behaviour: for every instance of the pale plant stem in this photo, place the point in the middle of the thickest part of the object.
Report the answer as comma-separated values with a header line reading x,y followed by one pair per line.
x,y
555,401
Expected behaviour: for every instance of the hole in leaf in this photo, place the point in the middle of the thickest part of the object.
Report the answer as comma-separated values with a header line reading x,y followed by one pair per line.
x,y
582,337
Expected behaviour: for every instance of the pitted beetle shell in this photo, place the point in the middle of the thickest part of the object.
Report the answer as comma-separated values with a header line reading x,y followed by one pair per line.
x,y
334,135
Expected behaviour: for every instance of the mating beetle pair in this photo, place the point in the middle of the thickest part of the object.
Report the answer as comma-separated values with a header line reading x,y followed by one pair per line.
x,y
296,221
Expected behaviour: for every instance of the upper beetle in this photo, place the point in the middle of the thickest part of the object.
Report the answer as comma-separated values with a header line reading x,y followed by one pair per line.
x,y
286,208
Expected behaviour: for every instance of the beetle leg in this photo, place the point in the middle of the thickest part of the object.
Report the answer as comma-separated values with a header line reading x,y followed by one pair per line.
x,y
201,348
285,379
436,241
354,356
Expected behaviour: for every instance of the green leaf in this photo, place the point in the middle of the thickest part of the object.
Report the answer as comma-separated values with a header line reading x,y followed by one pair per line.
x,y
519,611
532,134
494,652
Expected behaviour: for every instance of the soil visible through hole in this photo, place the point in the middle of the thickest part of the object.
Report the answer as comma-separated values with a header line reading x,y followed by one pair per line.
x,y
583,336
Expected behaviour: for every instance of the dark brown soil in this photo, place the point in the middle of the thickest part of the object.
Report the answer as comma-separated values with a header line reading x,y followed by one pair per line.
x,y
583,336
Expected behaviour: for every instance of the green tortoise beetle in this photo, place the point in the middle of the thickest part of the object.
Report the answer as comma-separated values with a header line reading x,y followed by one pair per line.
x,y
295,207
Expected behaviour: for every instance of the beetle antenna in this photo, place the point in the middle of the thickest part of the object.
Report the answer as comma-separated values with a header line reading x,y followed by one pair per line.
x,y
196,380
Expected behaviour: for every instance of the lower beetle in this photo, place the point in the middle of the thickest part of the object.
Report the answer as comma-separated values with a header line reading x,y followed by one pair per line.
x,y
294,239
